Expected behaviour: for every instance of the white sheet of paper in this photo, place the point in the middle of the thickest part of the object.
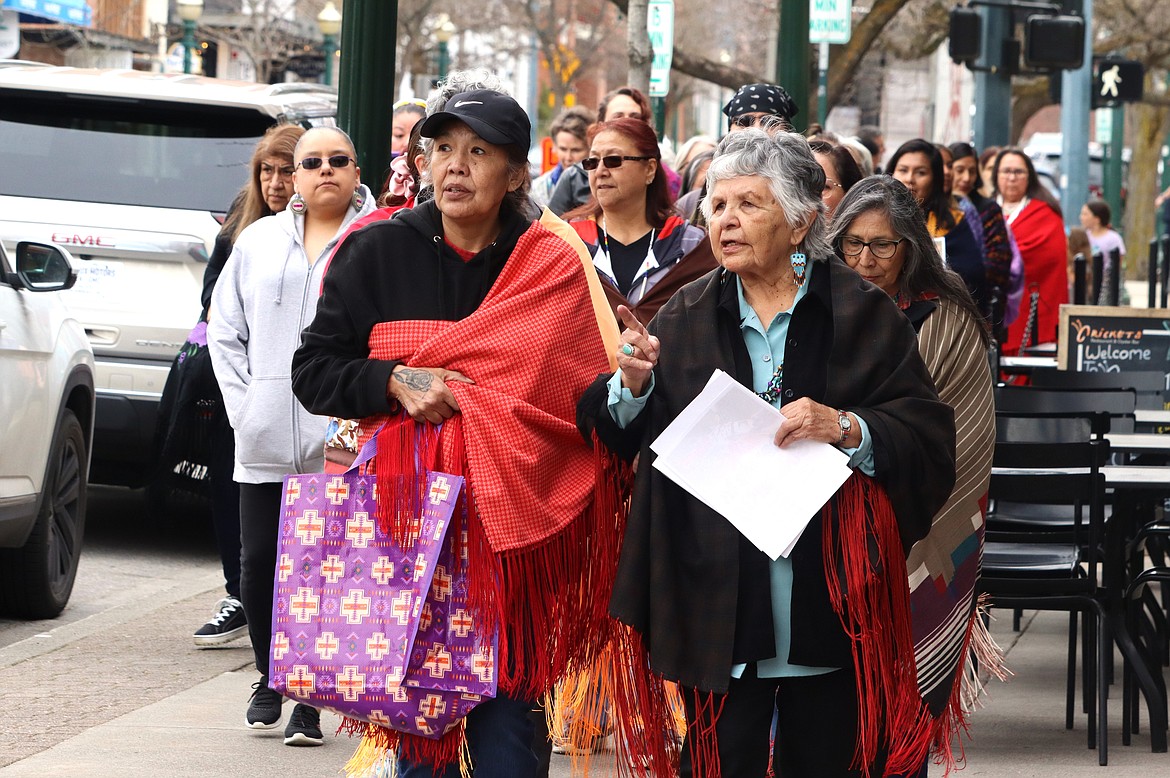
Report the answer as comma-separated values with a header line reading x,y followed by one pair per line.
x,y
720,450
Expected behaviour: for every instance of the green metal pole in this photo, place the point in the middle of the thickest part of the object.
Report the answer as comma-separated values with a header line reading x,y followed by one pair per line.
x,y
329,44
794,57
1111,174
444,60
658,104
188,43
365,97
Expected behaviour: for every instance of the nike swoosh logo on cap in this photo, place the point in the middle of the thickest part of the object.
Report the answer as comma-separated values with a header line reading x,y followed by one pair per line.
x,y
462,103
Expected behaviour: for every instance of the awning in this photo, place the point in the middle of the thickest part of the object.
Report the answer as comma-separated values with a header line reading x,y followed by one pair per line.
x,y
76,12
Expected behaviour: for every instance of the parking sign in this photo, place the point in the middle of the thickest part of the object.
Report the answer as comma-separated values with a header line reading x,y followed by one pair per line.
x,y
830,21
660,27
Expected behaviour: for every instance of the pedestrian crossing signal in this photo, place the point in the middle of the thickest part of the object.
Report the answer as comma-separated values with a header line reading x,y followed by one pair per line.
x,y
1117,81
965,35
1056,42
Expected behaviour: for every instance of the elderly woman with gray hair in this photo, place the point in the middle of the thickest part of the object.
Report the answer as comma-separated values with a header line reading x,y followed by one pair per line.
x,y
821,635
879,231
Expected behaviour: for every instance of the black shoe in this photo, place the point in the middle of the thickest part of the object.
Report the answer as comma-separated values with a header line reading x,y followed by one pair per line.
x,y
304,727
264,709
226,625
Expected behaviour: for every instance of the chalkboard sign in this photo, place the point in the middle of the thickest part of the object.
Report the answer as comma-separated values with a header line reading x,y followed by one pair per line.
x,y
1113,339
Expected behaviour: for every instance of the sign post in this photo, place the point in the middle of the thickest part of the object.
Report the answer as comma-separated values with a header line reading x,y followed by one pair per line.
x,y
660,27
829,21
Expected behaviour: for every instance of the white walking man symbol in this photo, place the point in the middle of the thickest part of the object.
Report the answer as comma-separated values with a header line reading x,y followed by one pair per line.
x,y
1109,80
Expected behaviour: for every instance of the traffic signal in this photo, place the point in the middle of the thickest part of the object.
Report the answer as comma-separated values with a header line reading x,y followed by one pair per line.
x,y
1056,42
1117,81
966,32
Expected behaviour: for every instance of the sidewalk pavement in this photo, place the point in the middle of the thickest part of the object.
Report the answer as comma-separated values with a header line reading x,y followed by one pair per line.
x,y
200,731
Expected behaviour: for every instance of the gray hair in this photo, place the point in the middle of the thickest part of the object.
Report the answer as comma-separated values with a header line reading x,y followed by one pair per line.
x,y
923,270
794,177
459,81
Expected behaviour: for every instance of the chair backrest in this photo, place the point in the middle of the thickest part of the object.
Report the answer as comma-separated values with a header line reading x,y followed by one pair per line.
x,y
1111,409
1149,385
1056,474
1027,428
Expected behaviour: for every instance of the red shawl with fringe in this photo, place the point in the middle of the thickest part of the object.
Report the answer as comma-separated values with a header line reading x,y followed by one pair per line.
x,y
540,566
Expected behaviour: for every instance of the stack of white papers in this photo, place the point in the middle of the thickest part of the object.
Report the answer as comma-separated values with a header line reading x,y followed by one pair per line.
x,y
721,450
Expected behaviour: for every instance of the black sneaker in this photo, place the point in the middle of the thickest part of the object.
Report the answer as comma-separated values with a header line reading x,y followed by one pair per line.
x,y
304,727
226,625
264,709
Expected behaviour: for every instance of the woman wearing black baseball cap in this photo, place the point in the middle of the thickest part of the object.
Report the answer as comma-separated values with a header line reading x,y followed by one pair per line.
x,y
466,332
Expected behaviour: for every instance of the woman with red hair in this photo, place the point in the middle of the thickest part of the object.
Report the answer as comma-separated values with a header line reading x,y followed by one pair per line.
x,y
642,249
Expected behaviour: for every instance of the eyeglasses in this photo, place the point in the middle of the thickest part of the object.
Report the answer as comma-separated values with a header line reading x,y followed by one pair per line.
x,y
336,161
614,160
881,248
1013,173
829,184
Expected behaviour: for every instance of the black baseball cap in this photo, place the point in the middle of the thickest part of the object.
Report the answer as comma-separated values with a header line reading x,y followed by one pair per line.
x,y
493,116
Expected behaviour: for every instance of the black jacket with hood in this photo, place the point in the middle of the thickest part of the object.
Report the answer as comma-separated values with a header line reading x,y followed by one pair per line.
x,y
399,269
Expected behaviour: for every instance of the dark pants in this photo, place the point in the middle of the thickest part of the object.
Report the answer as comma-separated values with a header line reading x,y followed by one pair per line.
x,y
816,727
499,735
225,504
259,528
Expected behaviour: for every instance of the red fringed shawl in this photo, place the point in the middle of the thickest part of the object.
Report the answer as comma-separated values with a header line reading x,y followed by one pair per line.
x,y
540,567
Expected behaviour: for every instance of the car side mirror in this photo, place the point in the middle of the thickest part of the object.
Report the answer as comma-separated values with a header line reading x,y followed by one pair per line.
x,y
41,267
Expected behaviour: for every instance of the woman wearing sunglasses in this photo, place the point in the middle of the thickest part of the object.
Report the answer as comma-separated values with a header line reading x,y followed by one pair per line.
x,y
265,297
642,249
879,232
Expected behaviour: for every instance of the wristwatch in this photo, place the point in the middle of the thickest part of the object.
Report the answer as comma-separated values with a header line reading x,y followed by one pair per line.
x,y
846,425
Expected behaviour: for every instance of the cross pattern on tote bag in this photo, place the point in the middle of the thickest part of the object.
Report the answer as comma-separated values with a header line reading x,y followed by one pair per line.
x,y
366,628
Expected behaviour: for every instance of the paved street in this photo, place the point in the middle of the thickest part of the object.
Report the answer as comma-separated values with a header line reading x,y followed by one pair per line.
x,y
115,688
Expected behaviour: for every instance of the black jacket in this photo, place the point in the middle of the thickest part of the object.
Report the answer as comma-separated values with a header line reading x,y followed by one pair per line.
x,y
394,270
688,581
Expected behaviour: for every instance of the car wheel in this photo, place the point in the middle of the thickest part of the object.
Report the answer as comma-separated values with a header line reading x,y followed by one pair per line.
x,y
37,579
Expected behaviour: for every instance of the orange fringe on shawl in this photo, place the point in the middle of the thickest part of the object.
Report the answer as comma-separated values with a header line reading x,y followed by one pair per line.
x,y
549,602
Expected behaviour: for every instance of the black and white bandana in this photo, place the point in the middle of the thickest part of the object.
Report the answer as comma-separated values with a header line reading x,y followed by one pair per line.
x,y
766,98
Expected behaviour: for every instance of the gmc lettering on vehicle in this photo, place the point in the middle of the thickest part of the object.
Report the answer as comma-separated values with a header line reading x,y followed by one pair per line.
x,y
82,240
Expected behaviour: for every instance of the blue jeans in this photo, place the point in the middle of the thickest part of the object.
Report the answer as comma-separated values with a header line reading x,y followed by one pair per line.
x,y
499,734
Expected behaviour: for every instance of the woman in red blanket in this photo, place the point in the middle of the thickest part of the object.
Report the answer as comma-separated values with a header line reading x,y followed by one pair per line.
x,y
462,313
1033,215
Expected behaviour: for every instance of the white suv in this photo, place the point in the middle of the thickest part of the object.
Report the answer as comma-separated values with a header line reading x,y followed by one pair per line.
x,y
132,172
46,415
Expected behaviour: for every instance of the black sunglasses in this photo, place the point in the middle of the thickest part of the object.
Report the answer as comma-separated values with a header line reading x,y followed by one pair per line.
x,y
591,163
336,161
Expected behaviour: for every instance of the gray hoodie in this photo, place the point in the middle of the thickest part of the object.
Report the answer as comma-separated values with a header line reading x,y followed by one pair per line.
x,y
265,296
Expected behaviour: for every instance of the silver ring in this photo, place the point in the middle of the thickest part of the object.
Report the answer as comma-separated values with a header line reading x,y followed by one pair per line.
x,y
628,350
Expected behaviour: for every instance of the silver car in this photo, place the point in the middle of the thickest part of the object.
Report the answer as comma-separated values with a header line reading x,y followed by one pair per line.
x,y
133,173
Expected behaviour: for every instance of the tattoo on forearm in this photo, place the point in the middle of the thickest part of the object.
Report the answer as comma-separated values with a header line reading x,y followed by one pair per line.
x,y
418,380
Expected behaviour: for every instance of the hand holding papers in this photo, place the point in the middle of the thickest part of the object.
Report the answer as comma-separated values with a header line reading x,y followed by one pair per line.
x,y
720,450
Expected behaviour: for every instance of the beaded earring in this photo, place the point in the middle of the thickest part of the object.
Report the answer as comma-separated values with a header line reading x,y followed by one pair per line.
x,y
298,204
358,199
799,265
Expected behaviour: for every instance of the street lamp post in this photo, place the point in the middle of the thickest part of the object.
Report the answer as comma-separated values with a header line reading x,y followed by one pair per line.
x,y
329,22
444,29
189,12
